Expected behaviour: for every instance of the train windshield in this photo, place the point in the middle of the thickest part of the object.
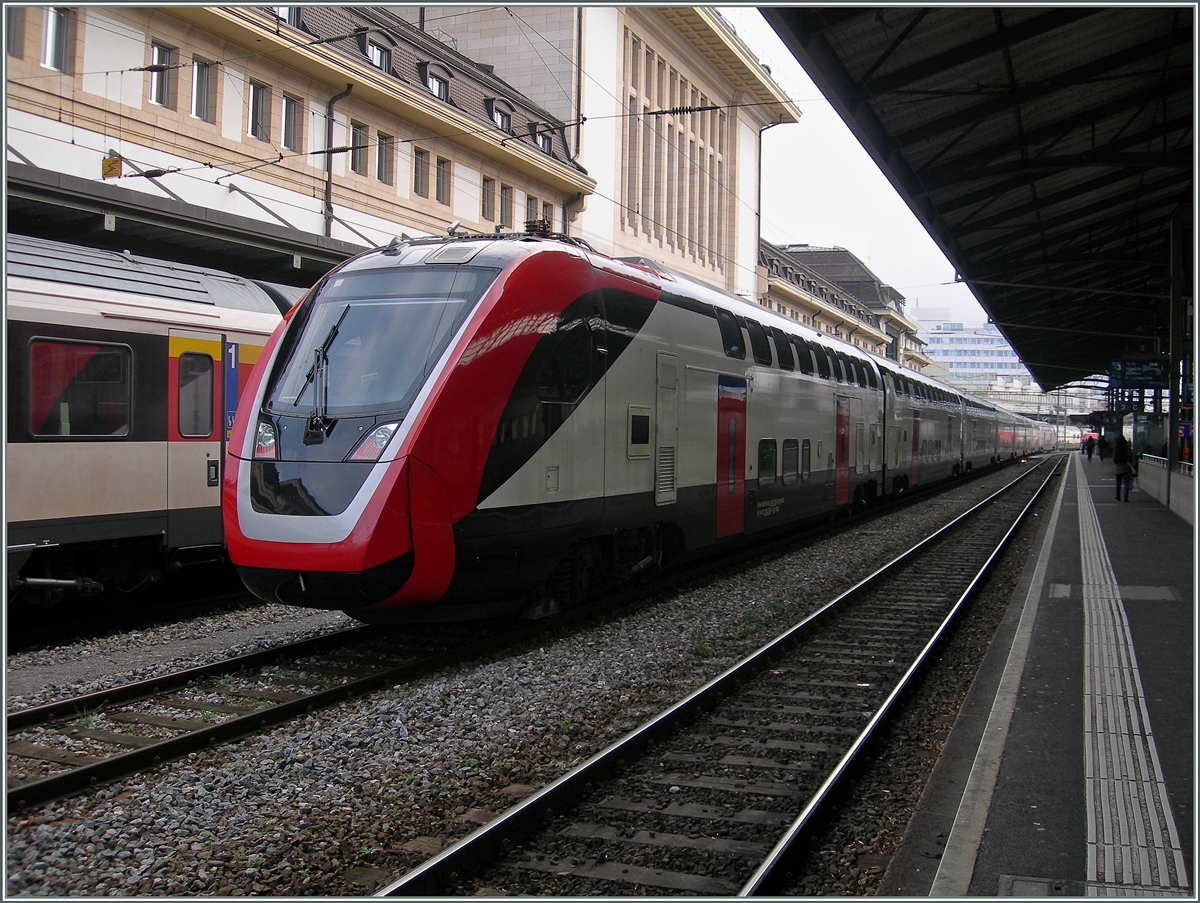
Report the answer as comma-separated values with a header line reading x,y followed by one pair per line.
x,y
372,337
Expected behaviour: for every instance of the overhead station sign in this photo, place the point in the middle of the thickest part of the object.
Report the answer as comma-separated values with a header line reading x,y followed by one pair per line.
x,y
1139,373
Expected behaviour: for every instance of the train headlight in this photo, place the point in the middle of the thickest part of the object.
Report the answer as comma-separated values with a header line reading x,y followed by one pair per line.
x,y
373,443
264,441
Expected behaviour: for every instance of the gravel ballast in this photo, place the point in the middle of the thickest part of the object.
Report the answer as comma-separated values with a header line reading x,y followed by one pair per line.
x,y
345,799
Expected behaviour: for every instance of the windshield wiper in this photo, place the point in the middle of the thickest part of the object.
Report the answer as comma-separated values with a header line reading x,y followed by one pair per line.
x,y
318,425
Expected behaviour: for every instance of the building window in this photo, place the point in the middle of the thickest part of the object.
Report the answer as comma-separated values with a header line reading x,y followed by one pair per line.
x,y
14,30
548,214
289,15
79,389
531,208
543,142
421,173
204,90
56,38
385,155
358,148
293,123
380,57
162,71
506,206
489,200
443,181
502,118
439,87
260,112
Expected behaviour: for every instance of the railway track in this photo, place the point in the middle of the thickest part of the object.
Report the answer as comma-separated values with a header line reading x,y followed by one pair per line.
x,y
713,795
66,747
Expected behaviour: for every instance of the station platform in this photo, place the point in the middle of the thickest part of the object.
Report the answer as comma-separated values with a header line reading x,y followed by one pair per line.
x,y
1070,769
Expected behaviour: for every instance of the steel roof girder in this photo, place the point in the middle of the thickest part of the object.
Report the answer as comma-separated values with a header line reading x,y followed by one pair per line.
x,y
1006,103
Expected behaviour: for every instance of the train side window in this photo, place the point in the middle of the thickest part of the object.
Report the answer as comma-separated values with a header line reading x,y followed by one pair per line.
x,y
805,460
731,335
195,395
638,432
835,361
783,349
759,344
871,380
822,361
860,372
79,388
566,375
767,451
803,355
791,461
908,387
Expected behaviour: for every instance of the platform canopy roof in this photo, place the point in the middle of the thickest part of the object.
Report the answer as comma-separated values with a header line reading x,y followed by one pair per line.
x,y
1048,151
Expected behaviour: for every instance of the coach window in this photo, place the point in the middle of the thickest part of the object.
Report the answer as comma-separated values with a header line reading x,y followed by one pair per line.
x,y
759,344
791,461
566,375
766,462
803,355
822,361
783,349
731,334
195,395
835,362
860,370
871,380
79,389
805,460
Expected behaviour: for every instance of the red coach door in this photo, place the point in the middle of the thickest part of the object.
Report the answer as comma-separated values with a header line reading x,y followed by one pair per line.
x,y
731,456
841,448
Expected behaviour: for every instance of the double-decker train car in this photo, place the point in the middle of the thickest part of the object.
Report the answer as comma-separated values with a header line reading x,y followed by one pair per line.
x,y
123,376
466,426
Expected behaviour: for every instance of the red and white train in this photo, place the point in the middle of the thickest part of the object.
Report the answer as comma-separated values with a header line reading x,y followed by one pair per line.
x,y
466,426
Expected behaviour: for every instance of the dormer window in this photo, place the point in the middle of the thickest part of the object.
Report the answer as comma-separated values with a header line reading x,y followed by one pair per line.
x,y
437,79
541,136
500,112
289,15
377,48
438,86
380,57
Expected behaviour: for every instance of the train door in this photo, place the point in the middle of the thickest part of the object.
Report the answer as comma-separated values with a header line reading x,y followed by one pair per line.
x,y
916,448
666,430
841,453
731,455
196,415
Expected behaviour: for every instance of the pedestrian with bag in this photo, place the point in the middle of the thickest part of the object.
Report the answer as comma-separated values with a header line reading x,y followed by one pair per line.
x,y
1123,461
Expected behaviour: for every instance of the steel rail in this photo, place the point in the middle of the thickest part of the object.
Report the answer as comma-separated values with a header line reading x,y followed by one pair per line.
x,y
766,877
80,778
482,846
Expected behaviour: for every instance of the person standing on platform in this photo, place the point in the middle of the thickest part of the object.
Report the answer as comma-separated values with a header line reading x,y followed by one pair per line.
x,y
1091,446
1123,459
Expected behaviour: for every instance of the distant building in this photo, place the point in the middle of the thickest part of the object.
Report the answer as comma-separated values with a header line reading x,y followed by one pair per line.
x,y
832,290
975,355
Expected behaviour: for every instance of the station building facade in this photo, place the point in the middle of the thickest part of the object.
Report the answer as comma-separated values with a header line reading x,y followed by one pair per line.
x,y
664,106
832,290
338,128
345,123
